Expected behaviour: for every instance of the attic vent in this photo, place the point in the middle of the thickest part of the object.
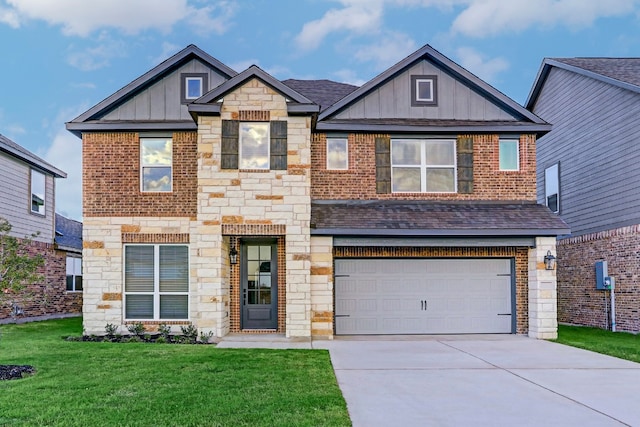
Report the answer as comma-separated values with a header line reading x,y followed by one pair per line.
x,y
253,116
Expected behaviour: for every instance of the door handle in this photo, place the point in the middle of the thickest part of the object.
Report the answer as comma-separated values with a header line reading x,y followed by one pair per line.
x,y
342,315
244,296
504,314
423,305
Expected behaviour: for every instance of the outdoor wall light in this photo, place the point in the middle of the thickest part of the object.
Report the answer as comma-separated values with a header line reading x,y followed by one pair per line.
x,y
233,255
549,261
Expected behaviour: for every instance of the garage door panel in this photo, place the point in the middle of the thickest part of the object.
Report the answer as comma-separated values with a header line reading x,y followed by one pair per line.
x,y
430,296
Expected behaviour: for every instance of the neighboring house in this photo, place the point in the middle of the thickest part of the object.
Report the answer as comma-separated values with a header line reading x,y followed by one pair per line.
x,y
69,240
243,204
27,201
587,173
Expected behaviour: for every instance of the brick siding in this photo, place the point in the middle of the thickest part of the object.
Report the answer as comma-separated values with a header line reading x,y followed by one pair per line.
x,y
50,296
111,177
579,302
359,182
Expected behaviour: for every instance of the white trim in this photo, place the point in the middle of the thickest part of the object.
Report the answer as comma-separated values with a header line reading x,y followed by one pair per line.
x,y
552,185
517,143
346,153
186,87
417,89
143,166
268,125
424,166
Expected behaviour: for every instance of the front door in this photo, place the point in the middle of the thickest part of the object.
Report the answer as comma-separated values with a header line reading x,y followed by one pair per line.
x,y
259,282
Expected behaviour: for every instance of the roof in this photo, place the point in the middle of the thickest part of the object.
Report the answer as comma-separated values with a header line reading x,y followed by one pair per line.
x,y
68,233
620,72
296,102
430,218
458,72
87,120
430,125
19,152
325,93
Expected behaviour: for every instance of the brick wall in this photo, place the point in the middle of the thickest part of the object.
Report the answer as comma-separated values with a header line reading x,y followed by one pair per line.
x,y
359,182
578,300
111,177
521,256
50,296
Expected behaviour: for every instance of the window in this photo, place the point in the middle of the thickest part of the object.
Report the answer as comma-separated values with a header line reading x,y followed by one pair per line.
x,y
38,192
254,145
193,86
552,187
337,154
156,164
424,90
423,166
74,273
156,282
509,155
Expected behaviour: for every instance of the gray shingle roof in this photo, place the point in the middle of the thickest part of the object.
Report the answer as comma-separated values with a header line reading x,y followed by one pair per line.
x,y
427,218
19,152
68,233
323,92
624,69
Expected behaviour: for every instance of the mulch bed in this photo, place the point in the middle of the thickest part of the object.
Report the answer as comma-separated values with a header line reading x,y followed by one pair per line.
x,y
15,372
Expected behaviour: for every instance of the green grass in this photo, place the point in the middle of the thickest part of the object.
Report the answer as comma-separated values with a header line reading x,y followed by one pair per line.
x,y
138,384
618,344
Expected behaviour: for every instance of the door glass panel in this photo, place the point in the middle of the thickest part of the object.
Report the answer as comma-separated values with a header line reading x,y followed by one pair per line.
x,y
259,274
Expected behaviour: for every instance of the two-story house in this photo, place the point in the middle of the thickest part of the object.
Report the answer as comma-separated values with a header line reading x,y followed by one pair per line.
x,y
587,167
240,203
27,201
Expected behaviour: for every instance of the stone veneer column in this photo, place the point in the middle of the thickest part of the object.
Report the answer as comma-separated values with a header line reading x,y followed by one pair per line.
x,y
322,287
543,297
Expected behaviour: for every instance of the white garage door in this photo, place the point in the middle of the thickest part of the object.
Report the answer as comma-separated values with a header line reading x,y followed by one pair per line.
x,y
423,296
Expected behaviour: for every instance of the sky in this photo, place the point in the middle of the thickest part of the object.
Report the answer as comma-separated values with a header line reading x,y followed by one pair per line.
x,y
59,58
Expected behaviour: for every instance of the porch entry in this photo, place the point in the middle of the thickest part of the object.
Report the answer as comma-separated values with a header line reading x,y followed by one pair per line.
x,y
259,284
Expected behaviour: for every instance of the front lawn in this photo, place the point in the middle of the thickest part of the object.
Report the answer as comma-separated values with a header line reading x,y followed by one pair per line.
x,y
139,384
618,344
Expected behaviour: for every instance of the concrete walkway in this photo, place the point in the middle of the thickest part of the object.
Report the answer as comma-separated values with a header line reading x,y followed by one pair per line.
x,y
497,380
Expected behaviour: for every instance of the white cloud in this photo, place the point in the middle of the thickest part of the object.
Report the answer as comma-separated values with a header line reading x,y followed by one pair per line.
x,y
65,152
387,51
81,17
478,64
93,58
358,16
86,85
240,66
349,76
168,49
491,17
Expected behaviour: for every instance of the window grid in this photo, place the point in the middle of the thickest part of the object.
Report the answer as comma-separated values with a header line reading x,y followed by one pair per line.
x,y
425,166
74,274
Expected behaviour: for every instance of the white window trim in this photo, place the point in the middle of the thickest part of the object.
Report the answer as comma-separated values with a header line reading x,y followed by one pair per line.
x,y
240,145
517,142
74,275
186,87
417,89
156,284
31,193
424,166
346,148
143,166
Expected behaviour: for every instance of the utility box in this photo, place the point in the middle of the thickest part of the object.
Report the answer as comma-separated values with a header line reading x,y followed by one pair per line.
x,y
601,273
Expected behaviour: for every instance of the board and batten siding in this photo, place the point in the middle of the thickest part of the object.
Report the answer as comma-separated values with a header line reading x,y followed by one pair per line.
x,y
595,139
455,100
15,194
161,101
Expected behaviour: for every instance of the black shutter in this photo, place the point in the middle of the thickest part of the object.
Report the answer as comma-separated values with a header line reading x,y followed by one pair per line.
x,y
465,164
230,142
278,148
383,164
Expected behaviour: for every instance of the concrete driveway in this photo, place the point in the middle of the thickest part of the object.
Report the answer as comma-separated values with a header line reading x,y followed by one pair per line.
x,y
494,380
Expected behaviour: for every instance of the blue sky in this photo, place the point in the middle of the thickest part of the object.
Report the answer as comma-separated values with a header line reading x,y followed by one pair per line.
x,y
59,58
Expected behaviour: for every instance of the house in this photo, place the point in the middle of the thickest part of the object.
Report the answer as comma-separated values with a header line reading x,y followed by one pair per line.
x,y
240,203
27,201
587,167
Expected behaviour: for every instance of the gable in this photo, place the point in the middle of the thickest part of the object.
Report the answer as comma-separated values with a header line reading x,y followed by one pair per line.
x,y
456,100
162,100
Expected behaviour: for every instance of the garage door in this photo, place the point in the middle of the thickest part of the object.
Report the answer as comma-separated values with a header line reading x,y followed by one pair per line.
x,y
423,296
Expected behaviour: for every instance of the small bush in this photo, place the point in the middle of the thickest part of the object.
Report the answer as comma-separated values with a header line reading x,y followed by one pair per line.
x,y
110,329
165,331
206,337
136,329
190,333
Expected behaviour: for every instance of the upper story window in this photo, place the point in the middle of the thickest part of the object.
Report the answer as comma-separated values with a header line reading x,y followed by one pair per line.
x,y
156,282
156,159
38,192
74,273
193,86
337,154
254,145
509,155
424,90
552,187
423,166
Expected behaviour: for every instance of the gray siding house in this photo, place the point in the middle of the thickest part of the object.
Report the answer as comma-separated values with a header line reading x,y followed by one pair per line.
x,y
587,170
27,201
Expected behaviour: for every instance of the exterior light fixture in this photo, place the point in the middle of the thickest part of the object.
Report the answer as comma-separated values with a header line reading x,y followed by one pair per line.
x,y
233,255
549,261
